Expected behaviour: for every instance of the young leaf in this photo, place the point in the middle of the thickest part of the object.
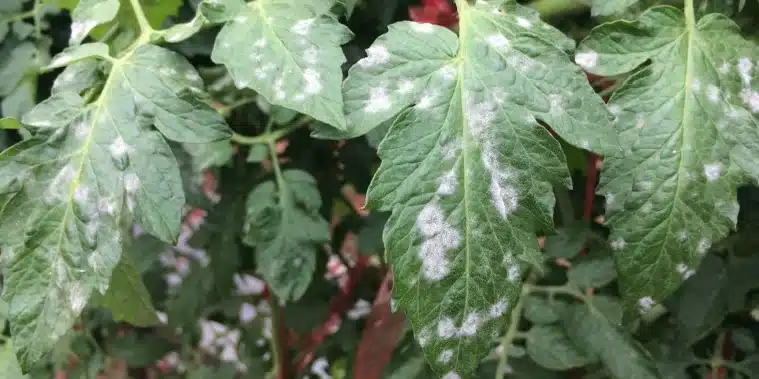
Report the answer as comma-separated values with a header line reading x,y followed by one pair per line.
x,y
284,225
89,14
78,77
466,169
288,52
540,310
65,191
592,331
549,346
610,7
592,273
671,192
77,53
127,298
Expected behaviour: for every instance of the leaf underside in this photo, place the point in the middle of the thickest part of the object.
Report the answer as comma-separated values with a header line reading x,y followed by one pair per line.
x,y
67,194
688,124
466,169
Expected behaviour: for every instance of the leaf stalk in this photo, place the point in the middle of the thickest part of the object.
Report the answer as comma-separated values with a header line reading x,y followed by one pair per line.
x,y
142,20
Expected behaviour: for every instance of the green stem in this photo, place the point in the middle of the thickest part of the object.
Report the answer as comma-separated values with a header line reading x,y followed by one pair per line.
x,y
552,8
142,20
513,331
37,17
275,335
690,15
269,136
553,290
225,110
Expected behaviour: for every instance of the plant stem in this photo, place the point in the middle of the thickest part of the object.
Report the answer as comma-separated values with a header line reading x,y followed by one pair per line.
x,y
512,332
37,26
225,110
270,136
18,17
690,15
279,349
145,27
552,8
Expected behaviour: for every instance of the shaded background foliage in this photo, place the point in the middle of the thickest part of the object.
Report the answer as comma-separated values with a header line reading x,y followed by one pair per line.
x,y
217,317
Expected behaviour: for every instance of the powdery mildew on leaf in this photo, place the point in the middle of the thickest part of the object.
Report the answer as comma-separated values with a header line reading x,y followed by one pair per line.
x,y
65,193
466,169
283,223
671,192
89,14
289,52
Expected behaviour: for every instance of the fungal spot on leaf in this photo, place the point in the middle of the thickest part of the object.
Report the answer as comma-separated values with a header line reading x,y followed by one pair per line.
x,y
751,99
445,356
703,246
131,183
645,304
80,29
422,27
405,86
498,41
684,270
499,308
587,60
303,27
712,93
712,171
445,328
438,237
448,184
745,66
618,244
377,55
471,325
313,81
427,100
523,22
378,100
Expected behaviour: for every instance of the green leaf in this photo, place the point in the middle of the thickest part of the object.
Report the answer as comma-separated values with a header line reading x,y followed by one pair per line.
x,y
127,298
610,7
65,192
9,123
671,193
592,273
549,346
543,311
743,339
8,363
89,14
213,154
77,53
568,241
467,170
284,225
3,313
608,306
220,10
18,60
700,304
78,77
296,56
257,153
621,355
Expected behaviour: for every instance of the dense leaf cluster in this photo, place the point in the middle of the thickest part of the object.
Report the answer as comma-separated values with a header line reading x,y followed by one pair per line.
x,y
552,188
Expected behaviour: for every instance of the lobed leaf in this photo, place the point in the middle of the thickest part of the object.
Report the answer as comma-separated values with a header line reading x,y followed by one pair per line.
x,y
290,53
671,193
89,14
549,346
127,297
66,192
466,169
610,7
284,225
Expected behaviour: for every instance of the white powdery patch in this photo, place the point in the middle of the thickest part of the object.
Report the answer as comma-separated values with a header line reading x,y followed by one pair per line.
x,y
712,171
303,27
422,27
118,148
424,336
618,244
262,72
451,375
640,121
448,184
450,149
745,66
248,285
445,328
712,93
645,304
724,68
471,325
313,81
241,19
703,246
260,43
439,236
60,184
448,72
480,118
168,71
682,236
696,85
131,183
445,356
751,99
378,100
107,206
81,194
587,59
512,266
614,109
376,55
498,42
427,100
311,56
405,86
499,308
523,22
77,296
609,199
684,270
80,29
